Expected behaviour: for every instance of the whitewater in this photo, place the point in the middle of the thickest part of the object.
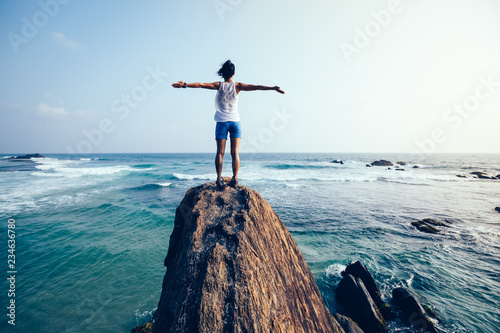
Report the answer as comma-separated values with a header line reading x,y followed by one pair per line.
x,y
92,231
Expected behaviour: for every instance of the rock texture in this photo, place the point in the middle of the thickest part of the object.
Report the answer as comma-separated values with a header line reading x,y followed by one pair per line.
x,y
412,312
232,266
429,225
348,324
353,296
360,296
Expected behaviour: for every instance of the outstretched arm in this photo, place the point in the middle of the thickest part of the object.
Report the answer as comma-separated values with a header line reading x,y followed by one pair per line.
x,y
251,87
213,86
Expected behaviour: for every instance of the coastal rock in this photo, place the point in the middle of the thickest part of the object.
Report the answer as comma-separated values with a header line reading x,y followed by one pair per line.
x,y
412,312
26,157
401,163
348,325
498,176
353,296
337,161
358,270
416,167
482,175
400,169
232,266
461,176
497,209
429,225
368,166
382,163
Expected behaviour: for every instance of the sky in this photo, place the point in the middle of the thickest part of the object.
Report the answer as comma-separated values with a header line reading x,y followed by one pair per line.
x,y
360,76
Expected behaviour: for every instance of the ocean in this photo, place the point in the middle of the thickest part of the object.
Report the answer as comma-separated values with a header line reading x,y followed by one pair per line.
x,y
91,232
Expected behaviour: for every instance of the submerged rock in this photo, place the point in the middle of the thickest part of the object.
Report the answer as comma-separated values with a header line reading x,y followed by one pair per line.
x,y
382,163
412,312
232,266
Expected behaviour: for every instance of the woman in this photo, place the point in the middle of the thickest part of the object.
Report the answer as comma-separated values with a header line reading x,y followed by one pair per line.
x,y
227,116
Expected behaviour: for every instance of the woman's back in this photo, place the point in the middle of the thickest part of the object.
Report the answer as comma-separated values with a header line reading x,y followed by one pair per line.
x,y
226,103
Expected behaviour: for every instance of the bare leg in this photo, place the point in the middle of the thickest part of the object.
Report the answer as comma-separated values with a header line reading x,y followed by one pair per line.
x,y
221,147
235,155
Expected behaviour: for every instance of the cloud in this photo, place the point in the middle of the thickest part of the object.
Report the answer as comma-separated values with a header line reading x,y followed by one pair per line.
x,y
50,111
66,41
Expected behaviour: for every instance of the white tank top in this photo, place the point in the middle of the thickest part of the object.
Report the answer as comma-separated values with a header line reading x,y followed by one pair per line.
x,y
226,103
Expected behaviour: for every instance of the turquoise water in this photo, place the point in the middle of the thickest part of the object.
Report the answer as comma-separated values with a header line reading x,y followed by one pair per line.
x,y
92,231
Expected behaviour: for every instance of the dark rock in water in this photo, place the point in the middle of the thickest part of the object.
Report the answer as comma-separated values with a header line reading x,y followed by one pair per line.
x,y
497,209
401,163
425,227
348,325
436,222
353,296
482,175
428,225
389,169
232,266
368,166
26,157
498,176
400,169
358,270
416,167
382,163
461,176
337,161
412,312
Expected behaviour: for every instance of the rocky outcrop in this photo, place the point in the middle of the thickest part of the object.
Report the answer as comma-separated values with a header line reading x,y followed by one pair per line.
x,y
382,163
232,266
497,209
429,225
337,161
26,157
412,312
401,163
353,296
360,297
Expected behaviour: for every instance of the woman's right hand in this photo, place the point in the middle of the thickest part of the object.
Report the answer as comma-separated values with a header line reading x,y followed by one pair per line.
x,y
278,90
179,84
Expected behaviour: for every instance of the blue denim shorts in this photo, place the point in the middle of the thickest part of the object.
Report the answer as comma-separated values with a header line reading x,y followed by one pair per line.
x,y
233,127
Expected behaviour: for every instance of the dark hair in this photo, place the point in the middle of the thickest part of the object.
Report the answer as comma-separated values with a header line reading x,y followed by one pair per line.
x,y
227,70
